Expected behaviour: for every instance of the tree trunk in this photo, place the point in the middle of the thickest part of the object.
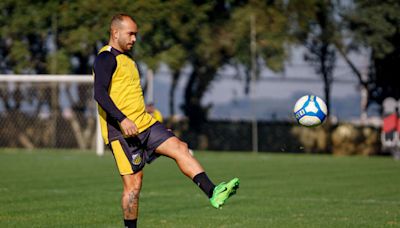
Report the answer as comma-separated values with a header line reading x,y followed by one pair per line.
x,y
196,86
175,79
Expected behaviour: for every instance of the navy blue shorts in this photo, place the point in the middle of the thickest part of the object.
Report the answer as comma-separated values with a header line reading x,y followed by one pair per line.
x,y
131,154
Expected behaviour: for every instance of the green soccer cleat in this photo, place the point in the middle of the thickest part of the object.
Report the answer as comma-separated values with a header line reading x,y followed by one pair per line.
x,y
223,191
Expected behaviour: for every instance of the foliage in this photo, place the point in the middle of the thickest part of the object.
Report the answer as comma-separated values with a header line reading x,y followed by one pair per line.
x,y
375,25
317,31
271,35
59,36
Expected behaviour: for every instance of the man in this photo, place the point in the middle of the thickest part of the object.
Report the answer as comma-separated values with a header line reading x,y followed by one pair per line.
x,y
133,135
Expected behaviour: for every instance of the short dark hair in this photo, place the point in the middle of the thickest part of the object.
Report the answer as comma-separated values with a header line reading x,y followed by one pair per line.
x,y
118,18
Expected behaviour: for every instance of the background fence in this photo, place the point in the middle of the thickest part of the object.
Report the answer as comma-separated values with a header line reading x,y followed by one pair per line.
x,y
47,111
59,112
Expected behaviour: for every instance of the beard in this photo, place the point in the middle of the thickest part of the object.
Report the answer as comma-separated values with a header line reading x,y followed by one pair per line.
x,y
125,45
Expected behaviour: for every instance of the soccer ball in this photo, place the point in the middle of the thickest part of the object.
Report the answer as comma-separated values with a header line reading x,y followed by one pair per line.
x,y
310,111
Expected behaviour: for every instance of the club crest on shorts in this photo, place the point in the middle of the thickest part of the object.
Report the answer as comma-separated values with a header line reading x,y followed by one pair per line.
x,y
136,159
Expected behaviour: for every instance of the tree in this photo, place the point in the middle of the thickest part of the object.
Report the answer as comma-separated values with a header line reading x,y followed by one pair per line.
x,y
165,36
316,29
375,26
271,30
189,36
43,37
206,54
217,33
23,50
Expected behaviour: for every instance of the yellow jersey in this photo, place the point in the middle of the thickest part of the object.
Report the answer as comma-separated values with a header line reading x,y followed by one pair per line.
x,y
118,93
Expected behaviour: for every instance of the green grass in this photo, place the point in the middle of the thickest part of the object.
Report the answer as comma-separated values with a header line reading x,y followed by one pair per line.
x,y
78,189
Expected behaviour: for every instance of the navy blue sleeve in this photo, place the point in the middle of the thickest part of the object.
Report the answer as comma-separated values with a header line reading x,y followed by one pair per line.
x,y
104,67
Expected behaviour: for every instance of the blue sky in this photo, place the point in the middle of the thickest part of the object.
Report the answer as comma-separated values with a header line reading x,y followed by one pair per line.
x,y
298,78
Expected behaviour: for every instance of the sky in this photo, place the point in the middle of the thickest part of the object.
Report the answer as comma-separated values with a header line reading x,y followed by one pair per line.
x,y
274,94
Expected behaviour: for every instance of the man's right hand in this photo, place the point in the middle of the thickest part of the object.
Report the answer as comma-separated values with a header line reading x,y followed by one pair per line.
x,y
129,128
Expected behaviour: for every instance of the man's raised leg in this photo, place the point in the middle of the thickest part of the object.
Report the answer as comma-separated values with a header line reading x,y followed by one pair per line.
x,y
179,151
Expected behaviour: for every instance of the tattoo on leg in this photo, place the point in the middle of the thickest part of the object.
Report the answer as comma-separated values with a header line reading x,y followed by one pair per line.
x,y
130,206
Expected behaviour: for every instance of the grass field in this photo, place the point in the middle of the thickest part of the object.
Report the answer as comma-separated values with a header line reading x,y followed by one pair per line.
x,y
78,189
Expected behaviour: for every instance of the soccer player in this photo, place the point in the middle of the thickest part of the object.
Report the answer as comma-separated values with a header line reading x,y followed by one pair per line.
x,y
133,135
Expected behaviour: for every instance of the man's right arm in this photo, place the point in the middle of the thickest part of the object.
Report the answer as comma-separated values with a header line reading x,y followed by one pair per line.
x,y
104,67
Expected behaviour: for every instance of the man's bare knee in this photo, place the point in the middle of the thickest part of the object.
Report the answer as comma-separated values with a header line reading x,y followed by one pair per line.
x,y
131,195
183,147
132,190
183,151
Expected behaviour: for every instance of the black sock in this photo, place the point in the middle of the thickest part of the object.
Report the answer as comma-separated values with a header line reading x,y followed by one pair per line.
x,y
130,223
204,183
